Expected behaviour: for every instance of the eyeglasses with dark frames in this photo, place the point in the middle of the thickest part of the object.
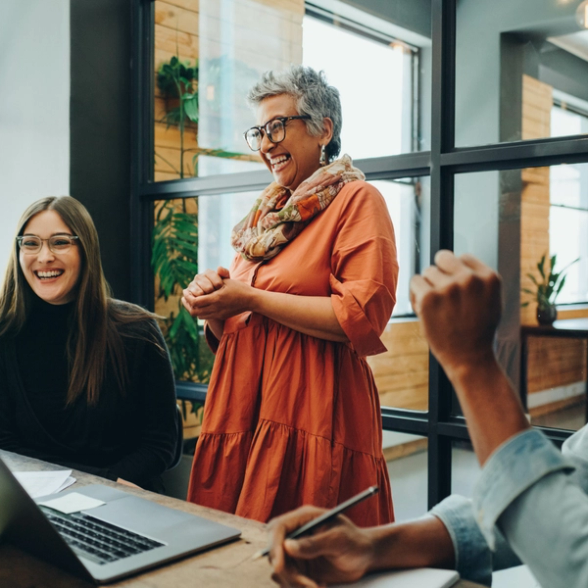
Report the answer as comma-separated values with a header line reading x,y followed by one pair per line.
x,y
275,130
32,244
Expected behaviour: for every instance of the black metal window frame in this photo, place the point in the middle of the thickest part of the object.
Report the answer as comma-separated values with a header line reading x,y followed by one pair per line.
x,y
441,163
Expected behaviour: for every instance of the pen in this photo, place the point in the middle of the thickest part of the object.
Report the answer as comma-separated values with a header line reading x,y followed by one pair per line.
x,y
325,517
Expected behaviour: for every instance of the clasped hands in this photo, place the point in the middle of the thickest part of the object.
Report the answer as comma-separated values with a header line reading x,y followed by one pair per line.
x,y
213,295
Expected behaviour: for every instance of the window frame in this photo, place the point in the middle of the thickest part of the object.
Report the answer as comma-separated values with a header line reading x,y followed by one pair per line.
x,y
442,162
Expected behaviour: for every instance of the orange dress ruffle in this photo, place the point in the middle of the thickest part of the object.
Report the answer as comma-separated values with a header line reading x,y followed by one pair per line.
x,y
291,419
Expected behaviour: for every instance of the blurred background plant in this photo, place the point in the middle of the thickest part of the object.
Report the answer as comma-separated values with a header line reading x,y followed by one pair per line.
x,y
174,261
548,285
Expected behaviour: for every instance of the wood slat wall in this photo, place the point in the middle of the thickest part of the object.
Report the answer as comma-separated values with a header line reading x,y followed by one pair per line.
x,y
537,103
402,373
551,362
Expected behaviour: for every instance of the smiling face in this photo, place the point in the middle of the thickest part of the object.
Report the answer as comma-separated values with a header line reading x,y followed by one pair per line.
x,y
296,157
53,277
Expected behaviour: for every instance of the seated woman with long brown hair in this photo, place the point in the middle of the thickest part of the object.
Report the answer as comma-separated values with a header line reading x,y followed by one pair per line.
x,y
85,380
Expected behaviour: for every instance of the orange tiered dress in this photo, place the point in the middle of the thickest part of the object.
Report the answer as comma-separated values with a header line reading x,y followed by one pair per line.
x,y
291,419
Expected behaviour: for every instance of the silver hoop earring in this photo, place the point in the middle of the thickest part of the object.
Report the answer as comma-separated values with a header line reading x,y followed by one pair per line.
x,y
323,158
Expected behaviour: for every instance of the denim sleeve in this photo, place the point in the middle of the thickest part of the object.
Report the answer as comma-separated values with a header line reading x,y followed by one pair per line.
x,y
473,558
526,492
513,468
575,449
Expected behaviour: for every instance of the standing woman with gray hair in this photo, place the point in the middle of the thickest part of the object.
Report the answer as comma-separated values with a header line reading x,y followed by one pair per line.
x,y
292,414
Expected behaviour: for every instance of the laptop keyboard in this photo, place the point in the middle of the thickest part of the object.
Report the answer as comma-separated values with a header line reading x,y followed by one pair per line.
x,y
96,540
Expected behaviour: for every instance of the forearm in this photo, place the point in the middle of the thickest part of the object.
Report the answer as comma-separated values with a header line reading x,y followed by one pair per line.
x,y
491,408
421,543
311,315
217,327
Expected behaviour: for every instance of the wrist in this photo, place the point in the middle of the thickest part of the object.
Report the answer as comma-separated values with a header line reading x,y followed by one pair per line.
x,y
476,367
424,542
382,541
254,299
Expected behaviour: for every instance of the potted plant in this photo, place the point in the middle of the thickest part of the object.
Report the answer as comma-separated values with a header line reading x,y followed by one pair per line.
x,y
547,288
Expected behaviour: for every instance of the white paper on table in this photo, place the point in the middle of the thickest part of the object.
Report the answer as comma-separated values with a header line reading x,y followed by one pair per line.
x,y
417,578
517,576
72,502
66,484
43,483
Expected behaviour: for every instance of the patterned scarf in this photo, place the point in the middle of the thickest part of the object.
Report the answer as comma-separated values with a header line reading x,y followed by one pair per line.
x,y
278,216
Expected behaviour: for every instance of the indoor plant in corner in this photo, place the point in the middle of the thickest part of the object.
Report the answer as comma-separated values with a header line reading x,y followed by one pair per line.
x,y
547,287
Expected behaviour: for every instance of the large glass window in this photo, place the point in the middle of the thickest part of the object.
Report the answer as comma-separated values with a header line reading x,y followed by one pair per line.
x,y
519,75
207,54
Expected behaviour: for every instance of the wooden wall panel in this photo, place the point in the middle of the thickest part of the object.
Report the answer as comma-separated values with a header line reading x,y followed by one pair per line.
x,y
537,104
402,373
176,18
555,362
172,42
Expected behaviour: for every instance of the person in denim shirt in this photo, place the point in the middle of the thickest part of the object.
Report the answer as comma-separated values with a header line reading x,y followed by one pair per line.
x,y
530,504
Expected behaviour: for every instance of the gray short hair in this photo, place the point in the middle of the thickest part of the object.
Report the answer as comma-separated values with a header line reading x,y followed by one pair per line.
x,y
313,95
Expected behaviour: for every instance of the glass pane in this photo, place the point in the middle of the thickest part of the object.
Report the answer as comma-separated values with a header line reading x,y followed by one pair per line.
x,y
402,372
174,263
515,60
465,469
207,54
511,220
385,99
189,234
223,48
409,204
406,456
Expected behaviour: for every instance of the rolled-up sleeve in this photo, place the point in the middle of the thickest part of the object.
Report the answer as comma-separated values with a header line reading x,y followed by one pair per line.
x,y
575,450
526,490
474,560
364,268
513,468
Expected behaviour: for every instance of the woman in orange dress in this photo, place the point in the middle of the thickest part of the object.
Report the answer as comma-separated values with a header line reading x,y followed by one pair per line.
x,y
292,414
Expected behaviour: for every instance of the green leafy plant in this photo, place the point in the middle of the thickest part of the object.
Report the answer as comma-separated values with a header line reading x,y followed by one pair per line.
x,y
174,261
178,81
549,284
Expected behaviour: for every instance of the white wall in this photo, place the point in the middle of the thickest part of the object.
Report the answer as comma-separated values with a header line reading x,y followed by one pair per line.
x,y
34,108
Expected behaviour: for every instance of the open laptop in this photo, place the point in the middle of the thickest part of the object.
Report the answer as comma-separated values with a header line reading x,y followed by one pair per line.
x,y
119,538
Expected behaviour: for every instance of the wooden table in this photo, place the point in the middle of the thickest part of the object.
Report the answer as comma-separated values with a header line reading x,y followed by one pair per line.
x,y
564,329
227,566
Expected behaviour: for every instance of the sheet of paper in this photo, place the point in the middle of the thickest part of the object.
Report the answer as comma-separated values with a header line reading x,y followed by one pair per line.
x,y
519,576
66,484
418,578
43,483
72,502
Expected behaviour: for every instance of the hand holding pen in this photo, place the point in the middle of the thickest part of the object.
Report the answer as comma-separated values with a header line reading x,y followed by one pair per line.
x,y
340,552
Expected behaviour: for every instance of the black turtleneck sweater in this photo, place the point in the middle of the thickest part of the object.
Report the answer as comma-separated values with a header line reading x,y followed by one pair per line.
x,y
130,435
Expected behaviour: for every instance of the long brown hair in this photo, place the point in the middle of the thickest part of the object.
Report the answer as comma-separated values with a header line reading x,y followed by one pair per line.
x,y
95,338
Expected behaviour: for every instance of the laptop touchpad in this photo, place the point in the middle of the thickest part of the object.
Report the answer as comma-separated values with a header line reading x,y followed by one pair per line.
x,y
139,515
